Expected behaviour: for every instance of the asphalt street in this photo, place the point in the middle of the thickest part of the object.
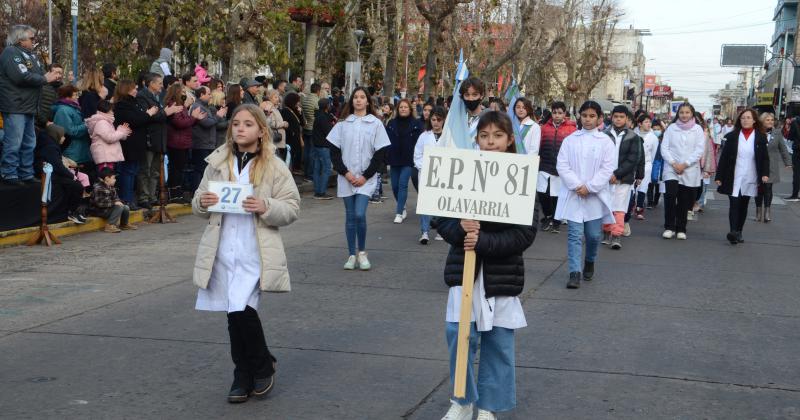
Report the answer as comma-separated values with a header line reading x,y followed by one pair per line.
x,y
103,326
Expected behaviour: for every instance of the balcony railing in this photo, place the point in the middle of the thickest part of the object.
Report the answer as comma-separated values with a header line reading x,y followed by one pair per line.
x,y
781,4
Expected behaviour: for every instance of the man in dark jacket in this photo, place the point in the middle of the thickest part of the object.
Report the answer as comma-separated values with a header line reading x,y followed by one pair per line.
x,y
794,136
48,97
630,152
48,150
21,81
321,160
250,88
110,78
156,139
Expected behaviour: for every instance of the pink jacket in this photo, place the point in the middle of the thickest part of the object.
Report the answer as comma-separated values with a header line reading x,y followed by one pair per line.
x,y
105,138
202,75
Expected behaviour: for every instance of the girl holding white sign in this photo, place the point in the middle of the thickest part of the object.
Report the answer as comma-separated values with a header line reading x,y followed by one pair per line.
x,y
358,144
497,310
241,255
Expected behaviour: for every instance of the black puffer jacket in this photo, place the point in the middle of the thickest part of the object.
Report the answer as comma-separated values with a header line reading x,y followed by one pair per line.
x,y
499,250
631,156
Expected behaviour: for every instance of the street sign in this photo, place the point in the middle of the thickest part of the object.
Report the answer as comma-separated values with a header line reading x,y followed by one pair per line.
x,y
743,55
74,8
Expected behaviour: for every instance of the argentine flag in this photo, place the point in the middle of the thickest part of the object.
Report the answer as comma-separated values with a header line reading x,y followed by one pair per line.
x,y
455,132
511,96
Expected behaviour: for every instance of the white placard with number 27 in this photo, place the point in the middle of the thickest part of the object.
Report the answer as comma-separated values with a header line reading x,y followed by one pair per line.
x,y
231,196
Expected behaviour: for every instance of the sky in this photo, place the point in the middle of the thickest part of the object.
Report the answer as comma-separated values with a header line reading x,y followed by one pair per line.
x,y
687,38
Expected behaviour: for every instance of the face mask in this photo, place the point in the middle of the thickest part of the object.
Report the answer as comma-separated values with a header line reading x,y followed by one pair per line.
x,y
657,133
472,105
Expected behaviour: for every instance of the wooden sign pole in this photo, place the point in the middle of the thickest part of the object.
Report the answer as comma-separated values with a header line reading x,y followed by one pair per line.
x,y
44,236
161,216
464,325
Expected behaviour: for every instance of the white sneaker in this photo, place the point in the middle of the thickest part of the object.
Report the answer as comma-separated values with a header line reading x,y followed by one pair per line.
x,y
363,262
668,234
424,239
458,412
690,215
404,215
681,236
398,218
486,415
351,263
627,231
438,238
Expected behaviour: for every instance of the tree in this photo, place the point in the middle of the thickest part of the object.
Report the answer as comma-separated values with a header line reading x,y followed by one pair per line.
x,y
391,55
434,12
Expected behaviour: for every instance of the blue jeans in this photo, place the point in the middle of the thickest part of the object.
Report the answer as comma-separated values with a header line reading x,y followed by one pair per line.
x,y
127,171
19,141
400,175
322,169
355,223
424,223
591,230
308,154
496,389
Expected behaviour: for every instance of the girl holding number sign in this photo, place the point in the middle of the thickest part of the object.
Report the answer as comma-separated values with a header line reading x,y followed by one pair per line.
x,y
241,255
500,278
358,144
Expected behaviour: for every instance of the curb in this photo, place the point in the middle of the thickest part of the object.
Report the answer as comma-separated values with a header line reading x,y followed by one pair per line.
x,y
93,224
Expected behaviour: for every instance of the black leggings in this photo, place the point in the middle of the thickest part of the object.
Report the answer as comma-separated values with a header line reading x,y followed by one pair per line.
x,y
764,197
249,351
547,202
737,213
678,199
653,193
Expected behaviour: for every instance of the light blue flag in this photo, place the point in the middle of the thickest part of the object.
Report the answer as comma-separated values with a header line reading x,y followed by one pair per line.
x,y
455,132
511,96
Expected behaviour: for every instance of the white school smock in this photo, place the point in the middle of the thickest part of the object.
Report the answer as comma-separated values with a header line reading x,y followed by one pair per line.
x,y
533,138
620,193
358,138
237,267
745,176
683,146
586,157
487,313
650,144
425,139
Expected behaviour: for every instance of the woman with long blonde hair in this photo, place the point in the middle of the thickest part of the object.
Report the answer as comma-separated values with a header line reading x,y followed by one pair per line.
x,y
241,255
92,91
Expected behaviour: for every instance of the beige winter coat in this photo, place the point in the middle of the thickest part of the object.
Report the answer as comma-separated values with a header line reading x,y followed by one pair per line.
x,y
280,193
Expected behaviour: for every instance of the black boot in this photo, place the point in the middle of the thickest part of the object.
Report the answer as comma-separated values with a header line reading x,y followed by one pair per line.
x,y
588,270
767,214
242,378
732,237
739,237
574,280
259,359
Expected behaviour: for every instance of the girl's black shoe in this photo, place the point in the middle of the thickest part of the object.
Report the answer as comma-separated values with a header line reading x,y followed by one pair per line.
x,y
238,393
574,280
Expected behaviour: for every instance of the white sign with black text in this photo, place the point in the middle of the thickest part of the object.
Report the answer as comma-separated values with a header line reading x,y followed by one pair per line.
x,y
231,196
473,184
